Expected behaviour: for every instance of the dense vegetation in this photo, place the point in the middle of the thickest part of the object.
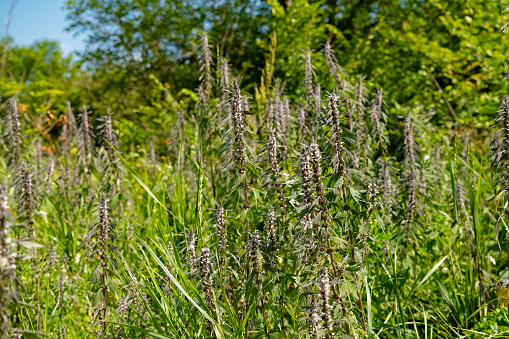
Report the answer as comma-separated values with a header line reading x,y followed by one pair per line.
x,y
235,169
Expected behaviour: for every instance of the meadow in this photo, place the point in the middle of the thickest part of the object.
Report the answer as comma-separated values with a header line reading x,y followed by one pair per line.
x,y
278,208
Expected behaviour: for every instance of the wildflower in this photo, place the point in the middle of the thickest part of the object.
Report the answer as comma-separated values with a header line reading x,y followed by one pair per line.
x,y
205,276
334,67
336,131
326,308
270,227
14,133
221,232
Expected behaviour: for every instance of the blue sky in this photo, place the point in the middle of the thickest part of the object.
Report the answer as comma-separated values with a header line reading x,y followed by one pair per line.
x,y
37,20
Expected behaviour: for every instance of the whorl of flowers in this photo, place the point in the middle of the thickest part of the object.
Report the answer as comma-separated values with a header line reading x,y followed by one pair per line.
x,y
326,308
122,312
318,101
104,236
238,118
332,63
376,112
61,286
316,159
273,157
270,227
306,182
109,136
409,143
205,275
71,119
206,61
254,256
38,157
410,170
287,113
313,319
359,109
501,147
27,196
308,80
460,196
14,133
336,131
306,175
372,194
387,189
225,73
302,117
85,136
221,232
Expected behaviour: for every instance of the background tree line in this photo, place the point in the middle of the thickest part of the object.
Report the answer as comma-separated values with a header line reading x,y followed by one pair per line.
x,y
446,55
